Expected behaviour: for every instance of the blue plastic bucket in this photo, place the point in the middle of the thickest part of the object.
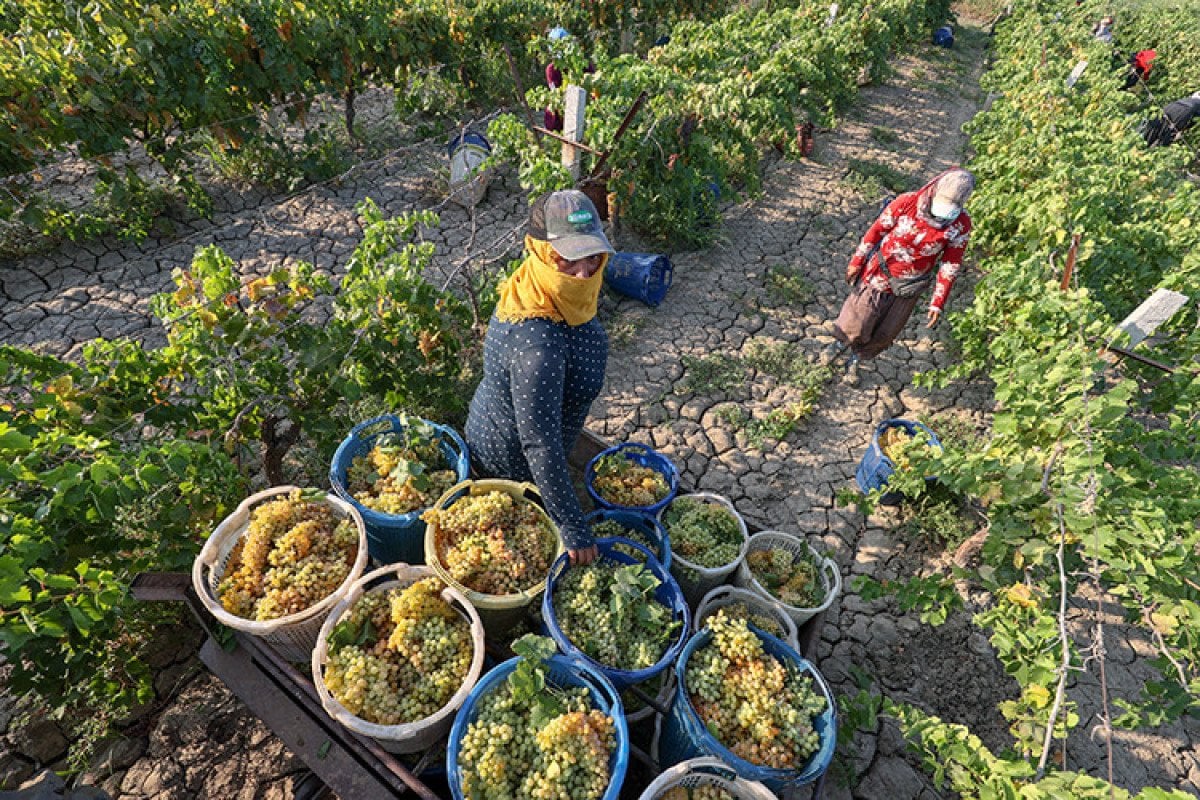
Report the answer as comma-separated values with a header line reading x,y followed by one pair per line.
x,y
392,537
641,522
564,674
876,468
685,736
642,276
646,457
470,138
944,36
668,593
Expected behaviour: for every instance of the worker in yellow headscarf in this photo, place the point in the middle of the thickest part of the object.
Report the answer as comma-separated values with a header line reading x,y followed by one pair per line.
x,y
543,361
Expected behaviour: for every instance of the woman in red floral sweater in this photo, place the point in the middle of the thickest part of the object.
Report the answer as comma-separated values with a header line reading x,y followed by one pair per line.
x,y
918,241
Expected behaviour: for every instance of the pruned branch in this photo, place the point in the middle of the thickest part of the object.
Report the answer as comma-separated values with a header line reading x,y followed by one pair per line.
x,y
1065,641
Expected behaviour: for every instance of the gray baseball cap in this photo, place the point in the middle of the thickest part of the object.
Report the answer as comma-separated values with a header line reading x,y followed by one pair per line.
x,y
569,222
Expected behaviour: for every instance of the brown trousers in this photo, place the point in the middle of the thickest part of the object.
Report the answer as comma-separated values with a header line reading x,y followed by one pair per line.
x,y
870,320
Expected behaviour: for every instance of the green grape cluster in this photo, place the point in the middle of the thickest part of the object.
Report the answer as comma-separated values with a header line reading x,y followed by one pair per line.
x,y
493,543
396,477
610,527
702,532
762,621
504,756
408,653
793,578
624,482
609,612
294,553
708,791
756,706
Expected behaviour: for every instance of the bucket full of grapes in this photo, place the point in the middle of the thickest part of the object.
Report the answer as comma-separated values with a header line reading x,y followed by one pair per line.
x,y
728,704
397,657
539,725
708,541
391,468
886,454
623,615
493,541
786,570
704,778
277,565
632,477
745,604
640,528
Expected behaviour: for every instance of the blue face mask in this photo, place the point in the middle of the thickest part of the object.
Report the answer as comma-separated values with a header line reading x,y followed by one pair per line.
x,y
944,212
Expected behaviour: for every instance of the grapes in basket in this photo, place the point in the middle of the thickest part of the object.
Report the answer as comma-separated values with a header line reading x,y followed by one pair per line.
x,y
610,528
707,791
758,707
296,552
399,655
792,578
493,543
762,621
402,472
704,533
622,481
531,740
608,611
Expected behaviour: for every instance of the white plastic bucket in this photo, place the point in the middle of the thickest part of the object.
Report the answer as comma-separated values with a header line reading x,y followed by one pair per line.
x,y
695,580
831,576
421,734
723,596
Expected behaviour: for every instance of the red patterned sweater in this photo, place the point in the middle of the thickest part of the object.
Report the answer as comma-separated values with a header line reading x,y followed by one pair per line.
x,y
912,247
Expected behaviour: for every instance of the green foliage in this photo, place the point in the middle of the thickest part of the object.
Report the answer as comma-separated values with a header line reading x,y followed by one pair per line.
x,y
711,374
788,286
932,596
873,180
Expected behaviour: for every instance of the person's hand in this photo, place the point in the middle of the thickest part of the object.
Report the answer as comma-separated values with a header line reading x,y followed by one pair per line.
x,y
853,271
583,555
932,317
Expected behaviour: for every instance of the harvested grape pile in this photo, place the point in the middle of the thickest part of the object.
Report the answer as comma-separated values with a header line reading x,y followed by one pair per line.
x,y
892,442
399,655
706,792
611,527
608,611
530,741
400,474
493,543
792,578
704,533
624,482
756,706
296,552
742,611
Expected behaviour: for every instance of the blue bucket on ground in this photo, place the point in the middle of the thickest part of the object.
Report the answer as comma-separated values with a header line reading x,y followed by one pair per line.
x,y
944,36
564,674
468,151
876,468
392,538
642,276
668,593
685,736
646,457
641,522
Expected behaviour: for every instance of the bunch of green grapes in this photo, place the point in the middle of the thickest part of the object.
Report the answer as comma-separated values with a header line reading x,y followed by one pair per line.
x,y
756,706
610,527
609,612
624,482
504,755
395,477
399,655
793,578
493,543
704,533
764,622
709,791
296,552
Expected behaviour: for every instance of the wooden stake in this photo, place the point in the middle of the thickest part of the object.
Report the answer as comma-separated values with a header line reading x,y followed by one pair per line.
x,y
573,126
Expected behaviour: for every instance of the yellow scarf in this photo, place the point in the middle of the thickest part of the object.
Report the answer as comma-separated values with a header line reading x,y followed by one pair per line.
x,y
537,290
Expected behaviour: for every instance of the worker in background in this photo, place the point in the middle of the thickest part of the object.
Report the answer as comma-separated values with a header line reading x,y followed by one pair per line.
x,y
1104,30
551,119
1175,120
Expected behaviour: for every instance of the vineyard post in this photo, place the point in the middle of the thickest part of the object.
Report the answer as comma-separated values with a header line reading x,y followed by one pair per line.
x,y
573,123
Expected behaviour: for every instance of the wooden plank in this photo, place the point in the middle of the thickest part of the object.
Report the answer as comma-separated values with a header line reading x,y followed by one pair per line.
x,y
161,586
575,102
1153,312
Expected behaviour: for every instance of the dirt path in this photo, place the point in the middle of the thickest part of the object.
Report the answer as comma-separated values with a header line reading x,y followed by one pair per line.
x,y
727,337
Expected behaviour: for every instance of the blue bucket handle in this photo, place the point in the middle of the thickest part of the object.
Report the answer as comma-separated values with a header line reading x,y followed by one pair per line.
x,y
637,447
